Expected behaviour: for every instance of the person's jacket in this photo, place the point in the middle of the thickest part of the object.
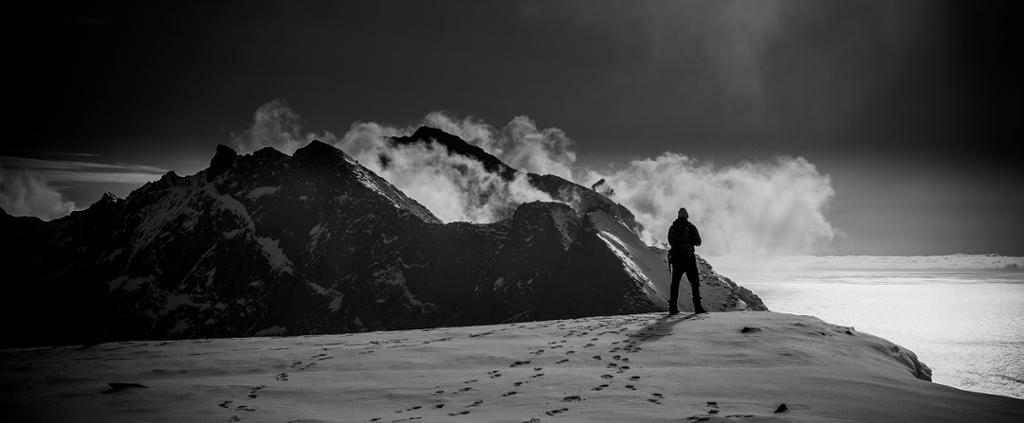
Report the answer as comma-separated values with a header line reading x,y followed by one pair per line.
x,y
682,237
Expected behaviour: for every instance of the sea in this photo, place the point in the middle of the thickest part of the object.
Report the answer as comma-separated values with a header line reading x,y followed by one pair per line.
x,y
963,315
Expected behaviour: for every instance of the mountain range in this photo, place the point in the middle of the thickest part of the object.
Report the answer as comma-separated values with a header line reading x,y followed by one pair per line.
x,y
310,243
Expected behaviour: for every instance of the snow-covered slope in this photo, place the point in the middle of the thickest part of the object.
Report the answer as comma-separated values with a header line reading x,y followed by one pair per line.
x,y
720,367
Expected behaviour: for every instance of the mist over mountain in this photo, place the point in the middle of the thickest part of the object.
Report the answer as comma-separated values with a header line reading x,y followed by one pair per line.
x,y
770,207
314,242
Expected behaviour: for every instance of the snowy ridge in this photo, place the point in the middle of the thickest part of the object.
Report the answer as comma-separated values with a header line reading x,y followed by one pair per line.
x,y
719,367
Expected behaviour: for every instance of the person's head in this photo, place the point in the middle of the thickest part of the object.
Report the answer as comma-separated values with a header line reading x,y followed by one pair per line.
x,y
683,214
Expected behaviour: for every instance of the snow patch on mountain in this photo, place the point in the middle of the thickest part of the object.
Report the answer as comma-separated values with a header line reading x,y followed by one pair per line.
x,y
229,203
262,191
172,302
315,231
562,218
275,330
274,254
617,247
125,283
336,297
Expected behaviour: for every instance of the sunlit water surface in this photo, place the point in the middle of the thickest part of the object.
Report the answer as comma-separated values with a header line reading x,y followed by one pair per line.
x,y
967,325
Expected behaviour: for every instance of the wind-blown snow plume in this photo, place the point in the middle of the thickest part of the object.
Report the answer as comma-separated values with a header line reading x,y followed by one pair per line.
x,y
754,208
751,209
24,193
453,187
519,144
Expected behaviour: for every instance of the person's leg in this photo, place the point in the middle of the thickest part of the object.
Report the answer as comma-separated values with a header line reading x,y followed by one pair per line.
x,y
677,274
694,276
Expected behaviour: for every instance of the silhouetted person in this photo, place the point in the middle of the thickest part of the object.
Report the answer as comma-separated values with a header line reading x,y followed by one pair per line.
x,y
682,237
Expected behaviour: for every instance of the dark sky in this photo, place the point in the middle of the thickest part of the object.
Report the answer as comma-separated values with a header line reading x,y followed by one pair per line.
x,y
913,107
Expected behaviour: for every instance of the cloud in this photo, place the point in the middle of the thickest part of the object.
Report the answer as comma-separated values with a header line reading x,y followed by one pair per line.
x,y
276,125
519,144
453,187
28,184
26,193
750,209
89,172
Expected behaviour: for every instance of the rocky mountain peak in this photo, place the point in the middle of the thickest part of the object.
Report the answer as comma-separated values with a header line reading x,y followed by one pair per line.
x,y
319,152
222,161
456,145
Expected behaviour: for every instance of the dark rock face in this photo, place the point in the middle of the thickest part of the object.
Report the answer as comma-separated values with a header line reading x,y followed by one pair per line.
x,y
271,244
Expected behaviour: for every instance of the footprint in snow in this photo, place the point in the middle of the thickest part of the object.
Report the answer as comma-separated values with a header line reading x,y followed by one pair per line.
x,y
556,411
255,389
